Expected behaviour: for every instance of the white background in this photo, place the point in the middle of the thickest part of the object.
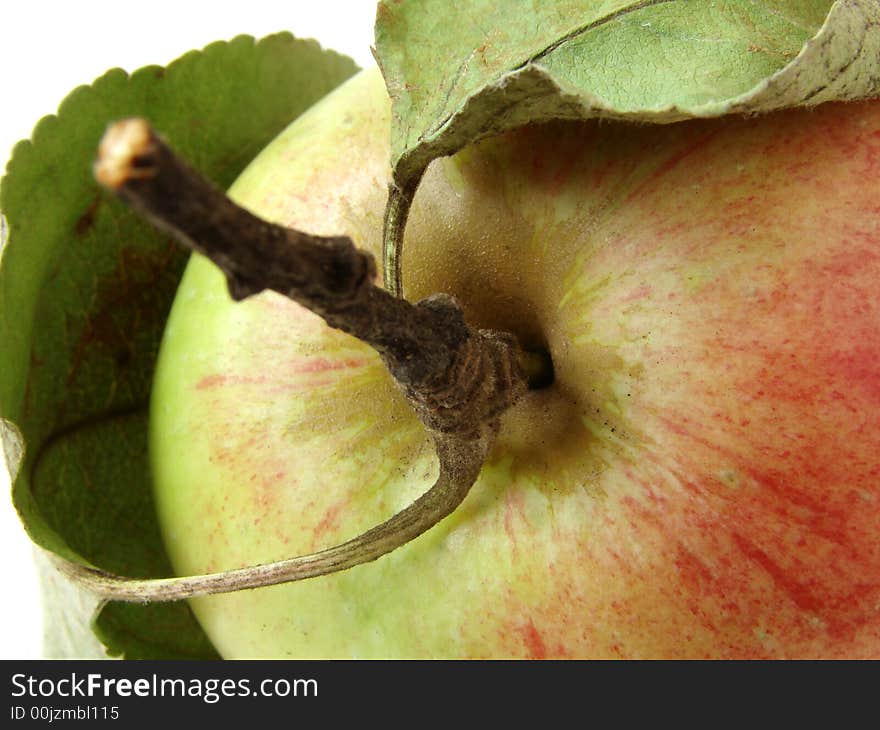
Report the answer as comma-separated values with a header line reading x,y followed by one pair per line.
x,y
49,48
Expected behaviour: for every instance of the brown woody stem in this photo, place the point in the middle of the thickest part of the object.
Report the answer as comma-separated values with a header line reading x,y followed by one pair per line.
x,y
458,380
434,356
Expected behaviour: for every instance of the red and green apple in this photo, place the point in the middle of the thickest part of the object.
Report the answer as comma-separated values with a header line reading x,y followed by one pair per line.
x,y
700,479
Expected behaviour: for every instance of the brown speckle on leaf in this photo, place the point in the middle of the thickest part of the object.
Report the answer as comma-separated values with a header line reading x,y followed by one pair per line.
x,y
85,222
125,303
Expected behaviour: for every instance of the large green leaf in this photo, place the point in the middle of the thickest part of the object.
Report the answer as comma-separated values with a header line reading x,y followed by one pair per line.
x,y
85,287
463,70
457,72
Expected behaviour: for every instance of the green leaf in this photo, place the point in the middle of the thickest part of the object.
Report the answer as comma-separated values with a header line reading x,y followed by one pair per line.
x,y
460,71
85,287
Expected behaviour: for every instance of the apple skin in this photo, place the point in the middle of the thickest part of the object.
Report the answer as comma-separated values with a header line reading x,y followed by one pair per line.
x,y
701,480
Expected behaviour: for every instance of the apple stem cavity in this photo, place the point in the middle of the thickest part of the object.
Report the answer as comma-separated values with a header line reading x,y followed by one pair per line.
x,y
459,380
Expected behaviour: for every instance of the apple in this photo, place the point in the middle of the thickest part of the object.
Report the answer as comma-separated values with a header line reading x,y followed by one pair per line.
x,y
700,480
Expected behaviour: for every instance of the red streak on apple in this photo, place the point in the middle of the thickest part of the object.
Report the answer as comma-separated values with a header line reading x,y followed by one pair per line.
x,y
312,365
533,641
329,523
670,164
215,381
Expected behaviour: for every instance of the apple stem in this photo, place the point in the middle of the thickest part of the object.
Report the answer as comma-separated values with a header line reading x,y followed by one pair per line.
x,y
458,380
432,353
